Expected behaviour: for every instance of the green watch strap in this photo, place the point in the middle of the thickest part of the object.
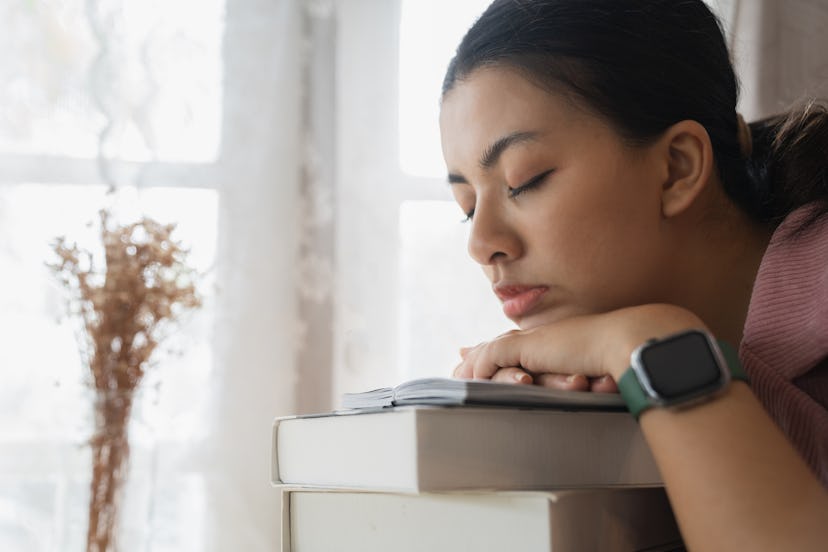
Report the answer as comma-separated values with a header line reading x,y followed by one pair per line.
x,y
637,399
731,357
633,393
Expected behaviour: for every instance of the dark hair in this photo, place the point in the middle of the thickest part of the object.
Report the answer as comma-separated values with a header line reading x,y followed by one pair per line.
x,y
646,65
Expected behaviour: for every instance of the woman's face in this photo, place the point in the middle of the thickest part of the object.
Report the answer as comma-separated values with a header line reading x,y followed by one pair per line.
x,y
565,218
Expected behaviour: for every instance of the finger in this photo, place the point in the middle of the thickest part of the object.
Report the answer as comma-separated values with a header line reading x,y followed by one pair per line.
x,y
603,384
512,375
566,382
462,371
502,352
465,370
555,348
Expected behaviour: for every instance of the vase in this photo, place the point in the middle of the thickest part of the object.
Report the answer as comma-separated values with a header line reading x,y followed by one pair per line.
x,y
122,451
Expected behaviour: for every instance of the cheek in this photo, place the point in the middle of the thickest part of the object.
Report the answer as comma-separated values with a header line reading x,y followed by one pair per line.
x,y
622,216
622,229
619,264
606,247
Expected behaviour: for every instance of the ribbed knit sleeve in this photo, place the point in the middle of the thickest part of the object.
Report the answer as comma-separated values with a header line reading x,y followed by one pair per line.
x,y
785,345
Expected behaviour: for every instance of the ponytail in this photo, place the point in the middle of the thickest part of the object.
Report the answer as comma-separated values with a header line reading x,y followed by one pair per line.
x,y
788,166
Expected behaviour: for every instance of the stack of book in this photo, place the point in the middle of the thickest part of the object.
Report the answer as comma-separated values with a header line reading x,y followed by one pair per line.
x,y
448,465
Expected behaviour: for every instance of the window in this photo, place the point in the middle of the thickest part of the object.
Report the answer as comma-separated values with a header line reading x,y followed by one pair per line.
x,y
409,295
423,64
446,301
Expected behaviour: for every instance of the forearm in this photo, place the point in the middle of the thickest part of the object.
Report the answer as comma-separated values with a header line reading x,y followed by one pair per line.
x,y
734,480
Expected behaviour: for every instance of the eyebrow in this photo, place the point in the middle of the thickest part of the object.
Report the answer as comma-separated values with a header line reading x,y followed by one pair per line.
x,y
492,154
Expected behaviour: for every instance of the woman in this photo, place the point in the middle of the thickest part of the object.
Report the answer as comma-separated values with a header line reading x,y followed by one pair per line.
x,y
638,232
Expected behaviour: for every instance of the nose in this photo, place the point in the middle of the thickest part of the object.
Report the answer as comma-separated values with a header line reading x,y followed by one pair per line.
x,y
493,237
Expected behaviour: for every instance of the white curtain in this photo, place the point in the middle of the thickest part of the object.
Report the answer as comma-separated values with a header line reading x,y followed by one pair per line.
x,y
256,328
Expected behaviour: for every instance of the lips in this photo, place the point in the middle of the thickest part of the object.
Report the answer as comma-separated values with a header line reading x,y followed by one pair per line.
x,y
518,300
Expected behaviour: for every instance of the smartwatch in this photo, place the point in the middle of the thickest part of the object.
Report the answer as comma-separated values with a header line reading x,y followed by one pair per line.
x,y
678,370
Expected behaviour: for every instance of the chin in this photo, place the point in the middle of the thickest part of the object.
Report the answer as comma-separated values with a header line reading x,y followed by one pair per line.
x,y
545,317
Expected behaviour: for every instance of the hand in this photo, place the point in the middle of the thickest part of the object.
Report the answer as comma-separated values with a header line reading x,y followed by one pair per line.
x,y
580,353
567,382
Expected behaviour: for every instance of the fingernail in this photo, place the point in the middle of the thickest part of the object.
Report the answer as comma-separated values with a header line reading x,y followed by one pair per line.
x,y
571,378
522,377
464,351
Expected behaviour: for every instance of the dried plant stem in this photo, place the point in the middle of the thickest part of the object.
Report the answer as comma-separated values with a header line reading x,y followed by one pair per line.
x,y
110,464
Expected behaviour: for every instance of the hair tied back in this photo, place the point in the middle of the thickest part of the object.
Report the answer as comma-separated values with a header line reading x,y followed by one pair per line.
x,y
745,137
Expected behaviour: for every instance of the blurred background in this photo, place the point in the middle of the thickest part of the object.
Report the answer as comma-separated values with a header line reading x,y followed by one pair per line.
x,y
294,144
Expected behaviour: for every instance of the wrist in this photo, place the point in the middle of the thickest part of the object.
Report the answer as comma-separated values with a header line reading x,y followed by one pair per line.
x,y
679,370
634,326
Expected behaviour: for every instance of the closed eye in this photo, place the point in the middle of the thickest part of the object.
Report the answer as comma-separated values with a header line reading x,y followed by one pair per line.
x,y
531,184
514,192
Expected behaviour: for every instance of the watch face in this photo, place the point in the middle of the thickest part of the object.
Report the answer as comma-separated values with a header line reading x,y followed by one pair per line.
x,y
681,365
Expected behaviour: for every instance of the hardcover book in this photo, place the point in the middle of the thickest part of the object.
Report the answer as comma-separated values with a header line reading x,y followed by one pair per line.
x,y
620,520
429,448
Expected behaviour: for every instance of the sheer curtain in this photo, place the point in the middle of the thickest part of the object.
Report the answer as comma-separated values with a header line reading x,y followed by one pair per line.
x,y
258,227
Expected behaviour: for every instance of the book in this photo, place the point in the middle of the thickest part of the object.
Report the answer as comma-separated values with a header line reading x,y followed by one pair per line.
x,y
448,392
430,448
583,520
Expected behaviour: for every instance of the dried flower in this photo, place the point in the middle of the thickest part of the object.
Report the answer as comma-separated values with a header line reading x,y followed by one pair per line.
x,y
143,287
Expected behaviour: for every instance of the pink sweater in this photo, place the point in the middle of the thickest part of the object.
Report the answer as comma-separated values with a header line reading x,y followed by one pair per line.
x,y
785,345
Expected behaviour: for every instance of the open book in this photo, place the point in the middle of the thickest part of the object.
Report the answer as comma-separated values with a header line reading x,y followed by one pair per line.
x,y
456,392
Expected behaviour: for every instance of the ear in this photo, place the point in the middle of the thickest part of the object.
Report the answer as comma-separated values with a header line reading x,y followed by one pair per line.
x,y
688,152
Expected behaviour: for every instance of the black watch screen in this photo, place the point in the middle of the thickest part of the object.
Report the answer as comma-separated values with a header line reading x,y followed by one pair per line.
x,y
681,365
